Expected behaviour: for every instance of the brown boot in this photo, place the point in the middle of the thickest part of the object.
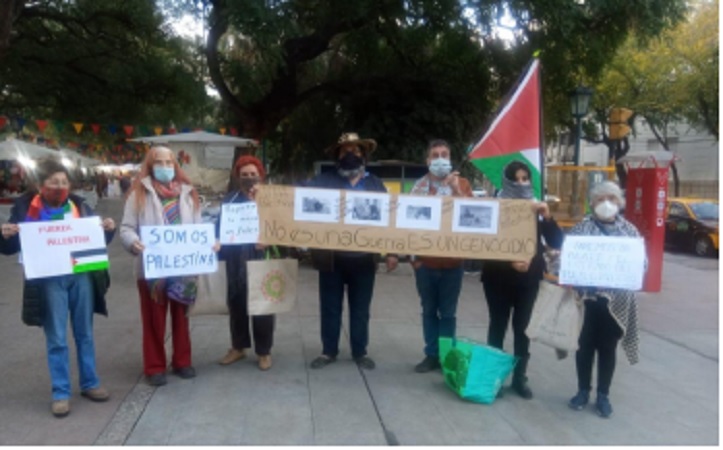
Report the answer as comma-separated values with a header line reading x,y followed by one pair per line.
x,y
232,356
265,362
60,408
98,394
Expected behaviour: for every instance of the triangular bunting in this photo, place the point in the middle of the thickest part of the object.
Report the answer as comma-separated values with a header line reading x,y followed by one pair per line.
x,y
42,124
3,122
78,127
158,130
234,131
95,127
222,130
112,129
128,129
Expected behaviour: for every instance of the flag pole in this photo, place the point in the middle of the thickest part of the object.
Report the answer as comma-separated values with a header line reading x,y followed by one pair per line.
x,y
542,134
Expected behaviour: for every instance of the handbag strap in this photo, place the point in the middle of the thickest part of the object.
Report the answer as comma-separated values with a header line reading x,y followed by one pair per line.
x,y
273,249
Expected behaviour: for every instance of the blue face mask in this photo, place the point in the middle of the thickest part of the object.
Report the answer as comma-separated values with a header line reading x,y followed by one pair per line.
x,y
440,167
163,174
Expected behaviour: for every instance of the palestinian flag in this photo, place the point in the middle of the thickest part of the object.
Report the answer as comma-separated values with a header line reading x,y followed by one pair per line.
x,y
515,133
89,260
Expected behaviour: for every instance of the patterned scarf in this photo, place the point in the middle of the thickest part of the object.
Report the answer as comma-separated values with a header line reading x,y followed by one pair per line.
x,y
39,211
180,289
427,186
512,189
621,302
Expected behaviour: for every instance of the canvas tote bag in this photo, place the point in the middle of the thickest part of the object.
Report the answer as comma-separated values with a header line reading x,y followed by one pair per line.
x,y
211,296
556,317
272,284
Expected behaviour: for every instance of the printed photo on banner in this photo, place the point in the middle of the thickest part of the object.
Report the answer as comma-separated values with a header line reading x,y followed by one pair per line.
x,y
175,250
63,247
239,224
475,216
365,208
317,205
603,261
419,213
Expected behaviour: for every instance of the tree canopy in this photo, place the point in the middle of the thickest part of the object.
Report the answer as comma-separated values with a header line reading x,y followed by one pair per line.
x,y
99,60
667,80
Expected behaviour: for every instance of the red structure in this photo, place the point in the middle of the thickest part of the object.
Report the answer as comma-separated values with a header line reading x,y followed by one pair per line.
x,y
646,193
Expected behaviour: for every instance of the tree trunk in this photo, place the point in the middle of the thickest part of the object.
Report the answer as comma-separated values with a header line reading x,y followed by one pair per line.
x,y
676,180
9,12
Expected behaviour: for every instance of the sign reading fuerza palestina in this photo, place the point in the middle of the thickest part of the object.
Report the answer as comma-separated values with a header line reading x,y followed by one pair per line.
x,y
397,223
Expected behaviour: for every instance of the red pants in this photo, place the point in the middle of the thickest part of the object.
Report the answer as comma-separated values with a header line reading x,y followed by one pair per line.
x,y
153,315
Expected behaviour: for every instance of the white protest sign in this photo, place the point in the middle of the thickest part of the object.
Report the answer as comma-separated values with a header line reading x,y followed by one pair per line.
x,y
603,261
239,223
62,247
176,250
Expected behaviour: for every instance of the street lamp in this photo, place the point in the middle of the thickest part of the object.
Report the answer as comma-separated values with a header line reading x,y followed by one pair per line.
x,y
579,103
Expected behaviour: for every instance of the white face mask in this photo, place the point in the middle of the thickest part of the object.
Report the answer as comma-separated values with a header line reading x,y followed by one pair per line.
x,y
440,167
606,210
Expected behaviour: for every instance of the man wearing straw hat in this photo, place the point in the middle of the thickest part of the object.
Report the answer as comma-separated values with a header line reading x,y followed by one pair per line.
x,y
339,269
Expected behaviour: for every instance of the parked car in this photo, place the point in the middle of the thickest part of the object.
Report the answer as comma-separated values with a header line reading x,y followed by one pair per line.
x,y
692,223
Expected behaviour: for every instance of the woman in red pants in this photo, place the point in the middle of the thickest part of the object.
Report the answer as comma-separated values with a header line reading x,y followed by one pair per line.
x,y
161,194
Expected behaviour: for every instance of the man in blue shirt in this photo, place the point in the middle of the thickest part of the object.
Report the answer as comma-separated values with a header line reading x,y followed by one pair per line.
x,y
339,269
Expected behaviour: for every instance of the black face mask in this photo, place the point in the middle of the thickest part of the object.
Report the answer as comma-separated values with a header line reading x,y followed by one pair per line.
x,y
246,183
350,161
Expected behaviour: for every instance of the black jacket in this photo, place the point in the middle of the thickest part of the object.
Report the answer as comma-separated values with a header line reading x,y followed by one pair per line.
x,y
501,272
236,255
323,260
33,312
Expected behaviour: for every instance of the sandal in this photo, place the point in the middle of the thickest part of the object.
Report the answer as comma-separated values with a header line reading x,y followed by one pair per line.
x,y
365,362
322,361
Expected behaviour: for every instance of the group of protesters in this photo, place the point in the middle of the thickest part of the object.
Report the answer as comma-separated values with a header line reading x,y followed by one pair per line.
x,y
162,194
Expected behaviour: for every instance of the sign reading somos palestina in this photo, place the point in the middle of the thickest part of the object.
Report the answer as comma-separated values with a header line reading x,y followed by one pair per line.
x,y
603,261
175,250
62,247
395,223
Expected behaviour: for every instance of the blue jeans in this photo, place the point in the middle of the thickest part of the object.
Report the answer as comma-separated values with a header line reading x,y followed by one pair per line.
x,y
439,291
69,296
357,274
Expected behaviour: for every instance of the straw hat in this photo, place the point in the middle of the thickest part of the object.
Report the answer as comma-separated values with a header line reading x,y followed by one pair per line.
x,y
367,145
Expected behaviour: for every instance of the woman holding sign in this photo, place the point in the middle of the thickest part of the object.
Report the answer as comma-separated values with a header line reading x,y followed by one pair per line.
x,y
161,194
249,172
511,287
49,302
610,314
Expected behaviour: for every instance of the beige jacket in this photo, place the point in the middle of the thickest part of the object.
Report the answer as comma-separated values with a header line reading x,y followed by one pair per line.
x,y
152,214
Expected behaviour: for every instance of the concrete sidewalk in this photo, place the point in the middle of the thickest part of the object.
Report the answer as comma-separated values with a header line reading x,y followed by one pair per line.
x,y
669,398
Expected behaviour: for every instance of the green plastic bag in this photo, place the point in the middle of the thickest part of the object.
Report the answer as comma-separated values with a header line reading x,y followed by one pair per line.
x,y
473,370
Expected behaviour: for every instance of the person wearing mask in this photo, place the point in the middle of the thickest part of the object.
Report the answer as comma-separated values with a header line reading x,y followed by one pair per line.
x,y
439,280
249,172
161,194
354,271
512,287
50,302
610,314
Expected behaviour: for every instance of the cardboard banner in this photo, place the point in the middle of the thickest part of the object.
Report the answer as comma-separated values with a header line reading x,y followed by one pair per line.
x,y
239,224
394,223
62,247
603,261
176,250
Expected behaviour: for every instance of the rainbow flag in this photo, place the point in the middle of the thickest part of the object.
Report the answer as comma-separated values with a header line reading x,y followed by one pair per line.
x,y
515,133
